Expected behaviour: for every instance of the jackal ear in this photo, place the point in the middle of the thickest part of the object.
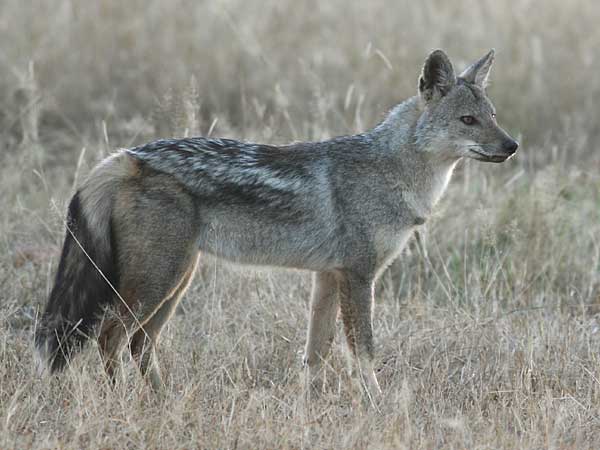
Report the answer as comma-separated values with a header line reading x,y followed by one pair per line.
x,y
437,77
478,73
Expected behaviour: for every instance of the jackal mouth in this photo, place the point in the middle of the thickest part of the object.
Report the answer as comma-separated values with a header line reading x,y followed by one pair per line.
x,y
480,155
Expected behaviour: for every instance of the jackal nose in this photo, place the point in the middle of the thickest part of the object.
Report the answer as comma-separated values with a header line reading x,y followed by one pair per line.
x,y
510,146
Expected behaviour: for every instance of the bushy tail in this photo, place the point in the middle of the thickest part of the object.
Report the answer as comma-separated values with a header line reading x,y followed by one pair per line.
x,y
87,271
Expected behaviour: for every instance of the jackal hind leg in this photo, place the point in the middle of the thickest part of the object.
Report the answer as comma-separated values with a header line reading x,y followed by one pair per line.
x,y
144,341
110,343
321,329
156,233
356,302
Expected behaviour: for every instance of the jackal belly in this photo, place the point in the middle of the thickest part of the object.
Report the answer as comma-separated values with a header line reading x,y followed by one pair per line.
x,y
251,241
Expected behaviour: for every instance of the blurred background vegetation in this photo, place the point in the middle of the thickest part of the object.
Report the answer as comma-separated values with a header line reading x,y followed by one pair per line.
x,y
79,73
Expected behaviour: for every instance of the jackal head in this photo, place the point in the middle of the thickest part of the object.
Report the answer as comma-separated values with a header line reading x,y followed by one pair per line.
x,y
459,119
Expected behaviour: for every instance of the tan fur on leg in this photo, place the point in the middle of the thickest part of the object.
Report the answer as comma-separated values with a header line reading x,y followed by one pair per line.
x,y
321,330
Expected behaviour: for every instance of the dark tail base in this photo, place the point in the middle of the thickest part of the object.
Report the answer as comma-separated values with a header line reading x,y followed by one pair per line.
x,y
81,290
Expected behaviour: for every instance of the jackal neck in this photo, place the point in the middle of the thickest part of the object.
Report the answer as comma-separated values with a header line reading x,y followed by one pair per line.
x,y
420,175
397,132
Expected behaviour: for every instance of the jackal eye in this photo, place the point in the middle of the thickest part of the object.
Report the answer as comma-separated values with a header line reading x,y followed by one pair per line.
x,y
468,120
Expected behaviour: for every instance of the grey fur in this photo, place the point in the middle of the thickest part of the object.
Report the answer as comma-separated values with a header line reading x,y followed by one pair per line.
x,y
343,208
479,72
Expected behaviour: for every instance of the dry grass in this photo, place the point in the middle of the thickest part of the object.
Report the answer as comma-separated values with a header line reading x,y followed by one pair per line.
x,y
491,345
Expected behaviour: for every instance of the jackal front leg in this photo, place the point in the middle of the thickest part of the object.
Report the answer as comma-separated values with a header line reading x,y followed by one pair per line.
x,y
356,301
321,329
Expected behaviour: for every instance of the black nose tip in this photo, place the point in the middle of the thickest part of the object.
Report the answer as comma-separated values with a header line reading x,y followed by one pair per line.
x,y
511,146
